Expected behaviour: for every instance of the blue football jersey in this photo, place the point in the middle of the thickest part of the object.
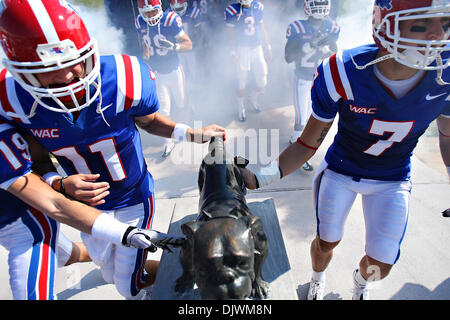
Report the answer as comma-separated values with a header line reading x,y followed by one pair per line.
x,y
376,132
304,32
191,20
14,162
160,59
247,23
90,145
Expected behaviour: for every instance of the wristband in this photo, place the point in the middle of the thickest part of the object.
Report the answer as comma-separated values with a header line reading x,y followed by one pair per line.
x,y
446,136
49,177
268,174
62,189
107,228
448,171
306,146
179,132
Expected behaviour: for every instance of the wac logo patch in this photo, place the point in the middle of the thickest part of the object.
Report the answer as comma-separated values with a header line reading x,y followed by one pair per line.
x,y
384,4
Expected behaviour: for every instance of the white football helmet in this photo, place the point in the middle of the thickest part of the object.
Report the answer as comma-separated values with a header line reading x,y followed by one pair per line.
x,y
179,6
317,9
418,54
245,2
151,11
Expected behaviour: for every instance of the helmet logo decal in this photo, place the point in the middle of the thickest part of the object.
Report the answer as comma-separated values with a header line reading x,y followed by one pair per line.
x,y
58,50
384,4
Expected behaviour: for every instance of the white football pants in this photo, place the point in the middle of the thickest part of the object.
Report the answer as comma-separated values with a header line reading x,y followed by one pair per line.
x,y
121,265
385,207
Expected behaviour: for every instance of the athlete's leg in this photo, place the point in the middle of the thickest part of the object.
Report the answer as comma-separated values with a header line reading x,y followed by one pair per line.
x,y
31,242
129,263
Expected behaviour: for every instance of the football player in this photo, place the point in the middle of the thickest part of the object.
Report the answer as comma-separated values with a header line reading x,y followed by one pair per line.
x,y
162,38
120,13
308,43
29,224
85,110
247,36
192,26
386,94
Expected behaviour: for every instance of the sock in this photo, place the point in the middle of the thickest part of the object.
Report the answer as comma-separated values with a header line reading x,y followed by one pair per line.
x,y
318,276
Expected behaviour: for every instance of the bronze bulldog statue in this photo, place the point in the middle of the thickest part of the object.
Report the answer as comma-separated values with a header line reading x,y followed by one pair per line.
x,y
225,246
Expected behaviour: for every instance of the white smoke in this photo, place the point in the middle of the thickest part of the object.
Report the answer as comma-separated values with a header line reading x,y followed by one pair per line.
x,y
109,38
355,21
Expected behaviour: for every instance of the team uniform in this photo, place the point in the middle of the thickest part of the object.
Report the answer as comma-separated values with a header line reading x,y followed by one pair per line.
x,y
165,63
305,35
248,41
105,142
35,246
372,149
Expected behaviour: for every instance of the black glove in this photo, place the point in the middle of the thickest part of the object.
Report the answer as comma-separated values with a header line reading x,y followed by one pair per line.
x,y
163,43
150,239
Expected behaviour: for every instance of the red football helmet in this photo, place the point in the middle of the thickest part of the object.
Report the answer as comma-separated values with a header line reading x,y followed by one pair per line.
x,y
151,11
179,6
419,54
44,36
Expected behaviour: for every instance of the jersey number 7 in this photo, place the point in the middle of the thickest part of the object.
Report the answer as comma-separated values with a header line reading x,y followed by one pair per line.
x,y
399,132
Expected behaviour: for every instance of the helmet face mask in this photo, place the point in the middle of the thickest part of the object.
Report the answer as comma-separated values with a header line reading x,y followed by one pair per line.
x,y
68,45
179,6
151,11
410,48
318,9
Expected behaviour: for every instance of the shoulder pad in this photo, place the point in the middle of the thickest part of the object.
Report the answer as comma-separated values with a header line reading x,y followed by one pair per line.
x,y
10,106
298,26
231,10
129,82
170,18
336,79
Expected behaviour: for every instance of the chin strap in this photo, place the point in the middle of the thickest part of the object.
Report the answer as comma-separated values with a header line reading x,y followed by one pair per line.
x,y
439,63
386,57
439,79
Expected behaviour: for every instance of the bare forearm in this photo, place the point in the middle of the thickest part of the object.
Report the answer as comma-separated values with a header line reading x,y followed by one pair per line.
x,y
156,124
36,193
297,154
293,158
185,45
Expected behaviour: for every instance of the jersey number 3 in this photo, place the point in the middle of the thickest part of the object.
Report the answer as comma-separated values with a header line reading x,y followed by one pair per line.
x,y
399,132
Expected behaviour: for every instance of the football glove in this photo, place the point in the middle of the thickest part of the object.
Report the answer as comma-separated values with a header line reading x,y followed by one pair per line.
x,y
163,43
150,239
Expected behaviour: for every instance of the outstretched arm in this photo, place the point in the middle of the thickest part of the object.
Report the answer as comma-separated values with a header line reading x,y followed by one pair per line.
x,y
32,190
160,125
292,158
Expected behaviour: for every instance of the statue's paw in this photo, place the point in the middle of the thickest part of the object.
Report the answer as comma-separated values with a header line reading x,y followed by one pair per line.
x,y
183,285
260,289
